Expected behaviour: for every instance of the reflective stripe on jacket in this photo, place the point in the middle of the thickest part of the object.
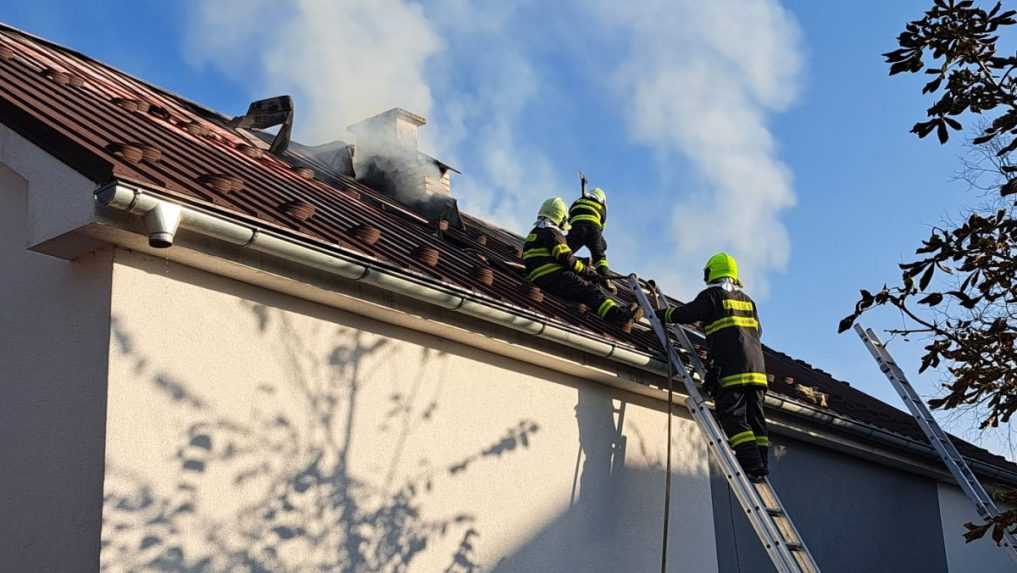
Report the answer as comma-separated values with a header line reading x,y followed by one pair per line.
x,y
546,252
732,329
589,211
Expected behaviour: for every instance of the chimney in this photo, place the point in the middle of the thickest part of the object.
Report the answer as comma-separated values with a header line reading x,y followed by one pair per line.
x,y
387,158
395,127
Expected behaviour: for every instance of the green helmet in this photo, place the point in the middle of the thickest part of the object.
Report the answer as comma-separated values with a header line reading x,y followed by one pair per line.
x,y
598,194
719,266
554,210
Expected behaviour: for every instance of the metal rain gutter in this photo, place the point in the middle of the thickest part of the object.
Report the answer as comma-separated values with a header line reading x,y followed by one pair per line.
x,y
141,202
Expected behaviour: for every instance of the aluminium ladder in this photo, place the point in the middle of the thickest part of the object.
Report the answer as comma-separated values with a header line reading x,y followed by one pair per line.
x,y
937,437
779,536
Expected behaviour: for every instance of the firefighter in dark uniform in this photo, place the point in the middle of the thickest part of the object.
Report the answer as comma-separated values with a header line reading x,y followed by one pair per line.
x,y
738,376
551,266
588,217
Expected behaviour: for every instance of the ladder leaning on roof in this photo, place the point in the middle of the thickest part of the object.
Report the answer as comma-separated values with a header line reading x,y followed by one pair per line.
x,y
940,441
767,515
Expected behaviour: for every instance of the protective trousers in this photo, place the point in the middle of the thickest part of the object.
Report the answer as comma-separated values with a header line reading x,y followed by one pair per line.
x,y
571,286
586,235
740,412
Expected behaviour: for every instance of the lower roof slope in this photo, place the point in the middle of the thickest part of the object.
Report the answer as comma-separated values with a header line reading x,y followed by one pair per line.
x,y
109,125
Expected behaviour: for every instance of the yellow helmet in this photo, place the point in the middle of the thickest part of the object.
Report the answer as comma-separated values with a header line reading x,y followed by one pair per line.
x,y
719,266
554,210
599,194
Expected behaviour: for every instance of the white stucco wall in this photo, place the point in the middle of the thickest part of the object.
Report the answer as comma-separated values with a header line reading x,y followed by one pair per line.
x,y
54,329
248,427
980,556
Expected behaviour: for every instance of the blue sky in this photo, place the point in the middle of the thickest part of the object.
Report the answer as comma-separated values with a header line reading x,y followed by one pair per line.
x,y
779,117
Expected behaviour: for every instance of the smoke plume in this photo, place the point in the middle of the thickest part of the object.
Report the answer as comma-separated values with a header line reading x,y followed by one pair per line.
x,y
699,80
694,82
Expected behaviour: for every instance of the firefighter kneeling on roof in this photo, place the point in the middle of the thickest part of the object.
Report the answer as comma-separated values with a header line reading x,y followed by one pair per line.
x,y
551,266
738,376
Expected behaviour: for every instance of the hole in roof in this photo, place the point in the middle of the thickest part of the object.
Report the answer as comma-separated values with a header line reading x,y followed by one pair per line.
x,y
159,112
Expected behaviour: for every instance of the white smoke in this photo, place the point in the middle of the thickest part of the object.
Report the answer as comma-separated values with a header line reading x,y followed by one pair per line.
x,y
699,80
344,60
695,81
347,60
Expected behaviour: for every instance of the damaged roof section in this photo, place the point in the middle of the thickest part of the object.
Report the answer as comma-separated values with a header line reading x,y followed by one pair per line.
x,y
377,196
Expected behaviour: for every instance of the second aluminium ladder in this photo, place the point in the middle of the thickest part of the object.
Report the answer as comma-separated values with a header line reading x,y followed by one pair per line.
x,y
940,441
767,515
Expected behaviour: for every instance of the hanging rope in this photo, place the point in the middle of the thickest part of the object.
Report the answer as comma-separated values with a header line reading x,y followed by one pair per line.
x,y
667,474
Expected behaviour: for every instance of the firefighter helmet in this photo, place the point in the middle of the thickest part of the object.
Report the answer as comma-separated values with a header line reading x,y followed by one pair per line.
x,y
554,210
720,266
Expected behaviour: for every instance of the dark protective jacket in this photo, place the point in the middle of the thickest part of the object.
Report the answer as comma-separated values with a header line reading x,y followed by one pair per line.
x,y
588,218
588,211
732,329
546,252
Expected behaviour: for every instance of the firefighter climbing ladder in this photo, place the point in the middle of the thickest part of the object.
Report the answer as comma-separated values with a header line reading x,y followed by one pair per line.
x,y
940,441
767,515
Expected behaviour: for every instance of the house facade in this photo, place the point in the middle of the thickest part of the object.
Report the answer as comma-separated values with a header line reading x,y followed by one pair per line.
x,y
213,363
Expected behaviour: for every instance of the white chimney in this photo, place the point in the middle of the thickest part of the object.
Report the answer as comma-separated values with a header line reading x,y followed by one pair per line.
x,y
395,127
389,142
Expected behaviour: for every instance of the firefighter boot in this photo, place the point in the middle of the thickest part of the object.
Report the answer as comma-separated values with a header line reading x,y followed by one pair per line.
x,y
751,462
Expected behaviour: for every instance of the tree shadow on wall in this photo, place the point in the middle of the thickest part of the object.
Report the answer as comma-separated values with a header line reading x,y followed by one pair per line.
x,y
307,512
615,518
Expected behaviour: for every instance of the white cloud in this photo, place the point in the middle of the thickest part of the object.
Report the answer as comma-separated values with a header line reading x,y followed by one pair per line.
x,y
699,80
